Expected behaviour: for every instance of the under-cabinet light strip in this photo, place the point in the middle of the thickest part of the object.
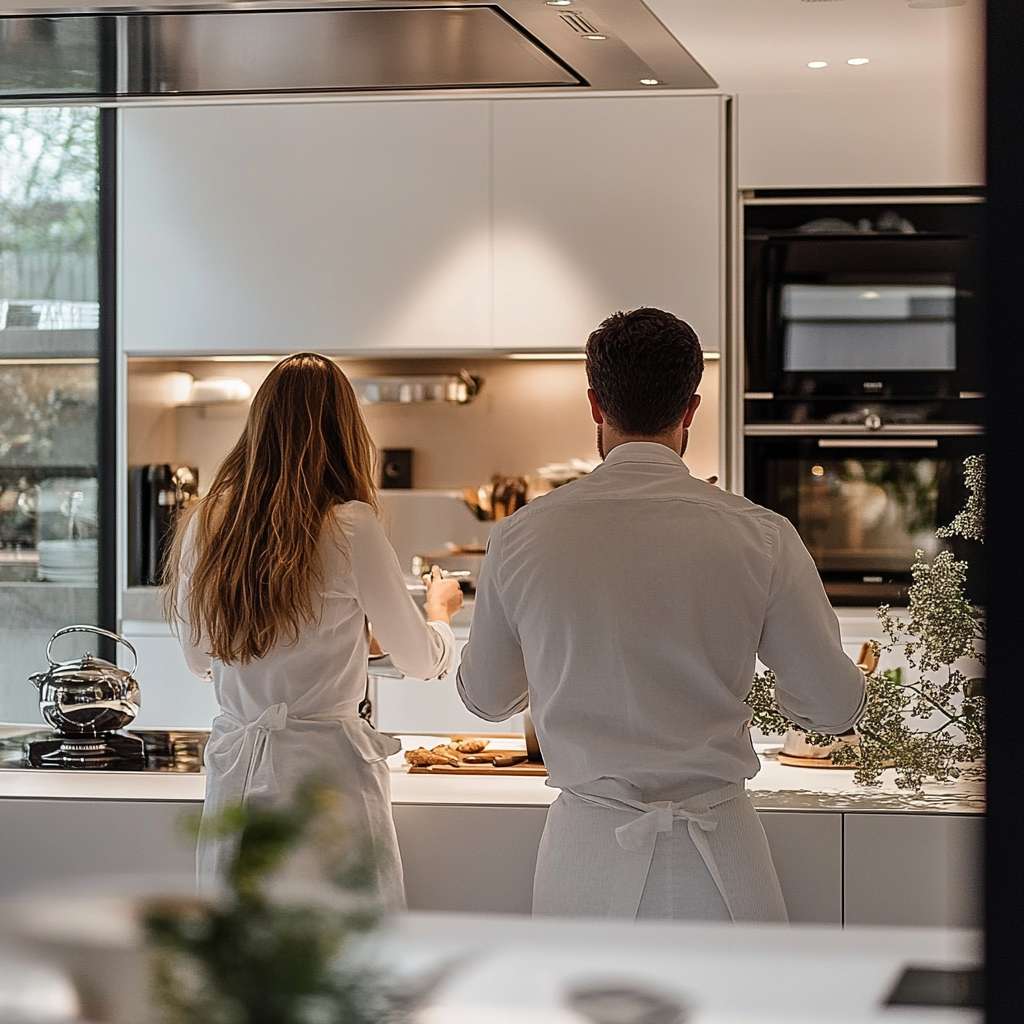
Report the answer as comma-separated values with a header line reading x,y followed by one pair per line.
x,y
47,361
552,356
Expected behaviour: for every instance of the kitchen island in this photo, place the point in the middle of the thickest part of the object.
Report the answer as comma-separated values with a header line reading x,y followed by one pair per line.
x,y
845,854
503,970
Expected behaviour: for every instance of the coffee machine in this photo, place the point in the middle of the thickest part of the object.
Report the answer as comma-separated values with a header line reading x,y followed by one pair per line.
x,y
157,494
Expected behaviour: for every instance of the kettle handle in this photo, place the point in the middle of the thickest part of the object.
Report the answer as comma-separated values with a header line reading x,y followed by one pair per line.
x,y
98,632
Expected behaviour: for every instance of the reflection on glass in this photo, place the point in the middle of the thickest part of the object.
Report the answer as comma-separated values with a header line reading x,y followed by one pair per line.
x,y
49,343
868,514
867,327
48,223
47,56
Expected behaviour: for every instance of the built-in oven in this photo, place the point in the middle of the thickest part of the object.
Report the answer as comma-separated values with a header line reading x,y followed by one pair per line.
x,y
865,298
863,502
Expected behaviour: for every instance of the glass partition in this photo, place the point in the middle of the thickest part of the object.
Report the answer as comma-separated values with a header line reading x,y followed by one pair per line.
x,y
49,387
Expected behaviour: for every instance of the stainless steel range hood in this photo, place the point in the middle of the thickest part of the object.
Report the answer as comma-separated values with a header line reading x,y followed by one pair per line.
x,y
177,50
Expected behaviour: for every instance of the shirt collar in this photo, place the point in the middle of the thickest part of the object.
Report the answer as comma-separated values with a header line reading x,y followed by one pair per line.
x,y
644,451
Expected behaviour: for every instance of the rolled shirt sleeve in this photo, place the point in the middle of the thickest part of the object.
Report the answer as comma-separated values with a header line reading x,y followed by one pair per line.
x,y
421,649
492,675
817,686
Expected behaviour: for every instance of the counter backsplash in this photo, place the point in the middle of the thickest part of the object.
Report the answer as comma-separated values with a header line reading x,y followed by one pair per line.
x,y
528,414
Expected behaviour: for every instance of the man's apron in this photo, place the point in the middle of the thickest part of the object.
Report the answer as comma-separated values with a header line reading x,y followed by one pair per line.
x,y
705,858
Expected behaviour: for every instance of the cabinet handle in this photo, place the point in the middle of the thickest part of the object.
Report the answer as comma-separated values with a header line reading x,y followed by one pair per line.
x,y
836,442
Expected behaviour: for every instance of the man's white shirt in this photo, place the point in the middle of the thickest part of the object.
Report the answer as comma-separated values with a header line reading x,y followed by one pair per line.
x,y
628,609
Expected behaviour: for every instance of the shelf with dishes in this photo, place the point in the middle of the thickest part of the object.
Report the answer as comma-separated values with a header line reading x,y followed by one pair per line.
x,y
49,523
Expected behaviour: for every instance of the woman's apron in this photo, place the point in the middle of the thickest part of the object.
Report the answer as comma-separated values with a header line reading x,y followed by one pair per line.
x,y
606,854
267,757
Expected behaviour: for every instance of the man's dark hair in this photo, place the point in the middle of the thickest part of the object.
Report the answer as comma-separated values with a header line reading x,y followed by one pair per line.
x,y
644,367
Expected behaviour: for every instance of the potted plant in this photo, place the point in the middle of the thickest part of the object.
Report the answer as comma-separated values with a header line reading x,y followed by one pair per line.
x,y
263,952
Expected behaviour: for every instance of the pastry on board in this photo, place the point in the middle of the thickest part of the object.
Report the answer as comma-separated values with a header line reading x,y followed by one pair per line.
x,y
469,745
423,758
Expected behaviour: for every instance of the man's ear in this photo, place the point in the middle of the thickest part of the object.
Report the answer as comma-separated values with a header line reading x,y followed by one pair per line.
x,y
595,409
691,411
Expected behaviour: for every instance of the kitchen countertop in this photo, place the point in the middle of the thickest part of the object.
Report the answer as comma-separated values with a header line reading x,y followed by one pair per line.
x,y
776,788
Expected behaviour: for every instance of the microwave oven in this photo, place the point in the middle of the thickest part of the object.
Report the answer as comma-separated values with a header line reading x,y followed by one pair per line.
x,y
862,299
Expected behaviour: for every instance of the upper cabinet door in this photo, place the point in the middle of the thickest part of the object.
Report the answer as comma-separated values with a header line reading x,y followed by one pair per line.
x,y
341,227
607,204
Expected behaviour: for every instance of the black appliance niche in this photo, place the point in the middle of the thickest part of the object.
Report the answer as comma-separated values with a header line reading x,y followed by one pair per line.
x,y
863,505
861,300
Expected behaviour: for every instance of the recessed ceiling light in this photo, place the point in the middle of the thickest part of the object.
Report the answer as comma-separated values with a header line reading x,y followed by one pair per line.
x,y
857,61
559,3
650,81
871,295
596,35
817,64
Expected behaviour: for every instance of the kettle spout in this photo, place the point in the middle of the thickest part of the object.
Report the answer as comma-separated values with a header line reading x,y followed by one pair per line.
x,y
38,678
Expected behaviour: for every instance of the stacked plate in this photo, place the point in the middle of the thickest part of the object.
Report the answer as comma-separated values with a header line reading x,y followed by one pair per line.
x,y
68,561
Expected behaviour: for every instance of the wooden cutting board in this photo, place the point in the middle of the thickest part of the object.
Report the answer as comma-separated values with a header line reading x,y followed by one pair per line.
x,y
819,762
524,768
481,769
812,762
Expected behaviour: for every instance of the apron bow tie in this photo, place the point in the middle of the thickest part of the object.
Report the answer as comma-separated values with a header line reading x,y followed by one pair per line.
x,y
640,834
250,743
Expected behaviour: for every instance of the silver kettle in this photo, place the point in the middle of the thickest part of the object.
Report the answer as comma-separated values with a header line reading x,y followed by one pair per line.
x,y
88,696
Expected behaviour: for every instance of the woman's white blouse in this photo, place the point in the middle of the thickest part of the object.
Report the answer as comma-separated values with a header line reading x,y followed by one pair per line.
x,y
323,674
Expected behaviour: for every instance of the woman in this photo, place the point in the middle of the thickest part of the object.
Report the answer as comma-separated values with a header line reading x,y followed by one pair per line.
x,y
272,582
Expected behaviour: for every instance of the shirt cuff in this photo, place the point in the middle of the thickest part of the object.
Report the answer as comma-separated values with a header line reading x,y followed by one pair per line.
x,y
445,632
521,703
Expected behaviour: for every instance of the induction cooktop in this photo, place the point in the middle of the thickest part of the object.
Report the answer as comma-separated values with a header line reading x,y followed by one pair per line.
x,y
168,751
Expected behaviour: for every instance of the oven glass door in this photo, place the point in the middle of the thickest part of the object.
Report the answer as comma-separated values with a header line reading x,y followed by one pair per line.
x,y
862,315
862,505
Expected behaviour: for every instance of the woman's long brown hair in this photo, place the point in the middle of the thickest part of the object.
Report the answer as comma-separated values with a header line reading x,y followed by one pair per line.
x,y
305,449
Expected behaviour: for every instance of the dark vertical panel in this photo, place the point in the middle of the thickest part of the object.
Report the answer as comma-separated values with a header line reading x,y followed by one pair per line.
x,y
107,390
1004,271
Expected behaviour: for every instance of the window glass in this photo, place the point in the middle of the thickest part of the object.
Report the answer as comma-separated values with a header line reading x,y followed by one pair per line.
x,y
49,347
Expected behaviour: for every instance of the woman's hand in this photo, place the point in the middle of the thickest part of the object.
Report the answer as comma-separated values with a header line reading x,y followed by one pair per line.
x,y
444,597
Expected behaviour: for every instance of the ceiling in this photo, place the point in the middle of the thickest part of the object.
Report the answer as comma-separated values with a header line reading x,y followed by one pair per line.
x,y
764,45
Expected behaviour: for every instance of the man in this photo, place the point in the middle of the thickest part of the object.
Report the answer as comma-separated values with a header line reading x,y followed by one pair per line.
x,y
627,609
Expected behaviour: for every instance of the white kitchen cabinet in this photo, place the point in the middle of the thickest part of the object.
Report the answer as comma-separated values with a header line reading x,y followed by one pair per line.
x,y
345,227
429,706
807,848
172,698
469,859
53,844
923,870
603,204
410,705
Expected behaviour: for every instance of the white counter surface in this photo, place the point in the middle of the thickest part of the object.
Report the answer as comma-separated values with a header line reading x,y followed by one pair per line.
x,y
733,973
777,787
508,970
